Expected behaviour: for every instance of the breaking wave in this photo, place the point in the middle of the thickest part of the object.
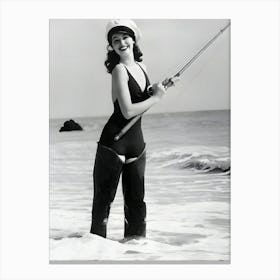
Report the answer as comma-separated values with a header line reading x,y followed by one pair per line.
x,y
211,161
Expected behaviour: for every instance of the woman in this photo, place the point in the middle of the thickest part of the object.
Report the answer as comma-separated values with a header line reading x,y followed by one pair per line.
x,y
127,155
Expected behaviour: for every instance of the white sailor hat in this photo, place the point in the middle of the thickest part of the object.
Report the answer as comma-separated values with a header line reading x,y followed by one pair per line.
x,y
122,25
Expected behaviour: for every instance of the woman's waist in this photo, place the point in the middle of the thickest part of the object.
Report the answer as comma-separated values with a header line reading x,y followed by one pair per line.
x,y
115,125
129,144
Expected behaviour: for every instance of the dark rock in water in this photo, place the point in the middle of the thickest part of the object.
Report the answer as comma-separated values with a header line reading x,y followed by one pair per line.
x,y
70,125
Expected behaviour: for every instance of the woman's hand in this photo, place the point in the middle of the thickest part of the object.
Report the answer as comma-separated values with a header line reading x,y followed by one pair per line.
x,y
170,82
158,90
174,80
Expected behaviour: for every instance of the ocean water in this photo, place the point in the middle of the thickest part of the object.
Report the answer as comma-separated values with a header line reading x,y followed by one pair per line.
x,y
187,192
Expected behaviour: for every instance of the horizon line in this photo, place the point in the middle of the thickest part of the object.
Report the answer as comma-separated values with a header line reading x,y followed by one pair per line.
x,y
154,113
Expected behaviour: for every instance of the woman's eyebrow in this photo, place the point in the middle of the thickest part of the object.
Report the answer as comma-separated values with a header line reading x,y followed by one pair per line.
x,y
117,36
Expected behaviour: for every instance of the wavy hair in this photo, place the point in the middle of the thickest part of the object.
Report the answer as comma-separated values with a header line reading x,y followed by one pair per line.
x,y
113,58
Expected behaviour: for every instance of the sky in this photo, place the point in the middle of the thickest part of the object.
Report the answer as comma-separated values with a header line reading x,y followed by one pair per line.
x,y
81,87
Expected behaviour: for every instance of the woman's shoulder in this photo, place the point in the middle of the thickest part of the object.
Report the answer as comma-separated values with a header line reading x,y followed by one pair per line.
x,y
119,67
119,71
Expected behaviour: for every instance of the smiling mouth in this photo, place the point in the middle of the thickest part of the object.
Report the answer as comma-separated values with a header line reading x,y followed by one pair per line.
x,y
123,48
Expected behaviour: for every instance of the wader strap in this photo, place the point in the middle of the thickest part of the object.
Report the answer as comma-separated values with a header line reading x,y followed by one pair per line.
x,y
130,160
113,151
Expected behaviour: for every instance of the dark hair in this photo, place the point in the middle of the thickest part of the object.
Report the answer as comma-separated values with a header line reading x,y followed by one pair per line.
x,y
113,58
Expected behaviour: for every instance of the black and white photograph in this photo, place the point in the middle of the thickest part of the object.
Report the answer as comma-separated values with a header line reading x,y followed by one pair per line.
x,y
140,140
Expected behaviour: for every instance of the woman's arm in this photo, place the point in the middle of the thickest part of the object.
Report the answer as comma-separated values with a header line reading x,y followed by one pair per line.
x,y
121,92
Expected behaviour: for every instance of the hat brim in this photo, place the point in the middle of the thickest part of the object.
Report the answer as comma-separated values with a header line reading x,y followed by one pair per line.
x,y
120,29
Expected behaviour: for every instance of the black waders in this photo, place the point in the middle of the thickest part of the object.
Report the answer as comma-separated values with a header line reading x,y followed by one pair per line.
x,y
133,193
106,174
107,169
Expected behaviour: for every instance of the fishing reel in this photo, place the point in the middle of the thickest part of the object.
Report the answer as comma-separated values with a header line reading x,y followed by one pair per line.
x,y
168,82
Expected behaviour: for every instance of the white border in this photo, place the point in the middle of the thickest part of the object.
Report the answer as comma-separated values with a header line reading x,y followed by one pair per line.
x,y
254,128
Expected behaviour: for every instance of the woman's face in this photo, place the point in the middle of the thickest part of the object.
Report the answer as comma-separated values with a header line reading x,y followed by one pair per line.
x,y
122,44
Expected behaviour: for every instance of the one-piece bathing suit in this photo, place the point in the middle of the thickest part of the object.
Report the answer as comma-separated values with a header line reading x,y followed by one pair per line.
x,y
132,143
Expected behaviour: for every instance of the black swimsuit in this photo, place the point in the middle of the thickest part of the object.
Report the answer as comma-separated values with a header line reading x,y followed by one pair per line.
x,y
132,143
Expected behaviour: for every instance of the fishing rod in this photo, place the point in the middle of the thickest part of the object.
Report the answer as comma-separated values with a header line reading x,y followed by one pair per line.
x,y
169,82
